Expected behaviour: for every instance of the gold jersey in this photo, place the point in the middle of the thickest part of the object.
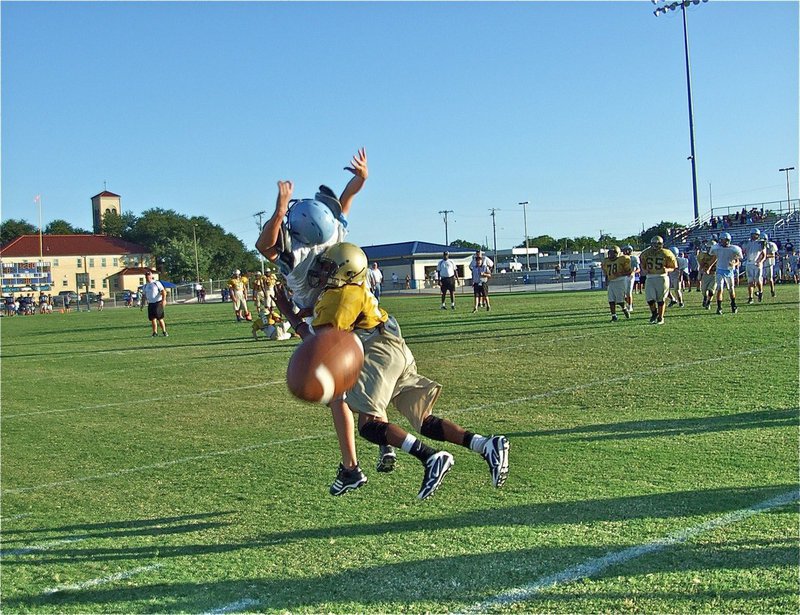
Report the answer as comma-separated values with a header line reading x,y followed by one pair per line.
x,y
237,284
617,267
705,260
348,307
657,261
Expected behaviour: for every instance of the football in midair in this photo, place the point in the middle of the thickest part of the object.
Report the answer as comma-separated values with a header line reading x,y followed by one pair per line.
x,y
325,365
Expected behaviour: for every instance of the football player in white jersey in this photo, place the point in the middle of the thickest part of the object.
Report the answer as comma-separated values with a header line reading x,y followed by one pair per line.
x,y
676,278
293,237
728,257
770,252
755,253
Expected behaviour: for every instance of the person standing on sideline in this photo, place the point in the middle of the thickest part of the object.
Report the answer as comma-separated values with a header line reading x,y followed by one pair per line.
x,y
591,277
573,272
490,264
156,298
374,281
656,262
480,274
448,274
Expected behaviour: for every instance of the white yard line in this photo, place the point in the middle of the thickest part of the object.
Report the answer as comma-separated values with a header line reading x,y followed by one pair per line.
x,y
163,464
149,400
625,378
496,404
591,567
484,351
36,548
119,576
233,607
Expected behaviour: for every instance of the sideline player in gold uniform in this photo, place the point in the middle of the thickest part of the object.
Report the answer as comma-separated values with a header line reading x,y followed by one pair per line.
x,y
656,262
238,287
390,373
707,264
617,269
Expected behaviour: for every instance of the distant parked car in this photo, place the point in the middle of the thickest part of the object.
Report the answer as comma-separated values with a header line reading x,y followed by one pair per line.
x,y
59,299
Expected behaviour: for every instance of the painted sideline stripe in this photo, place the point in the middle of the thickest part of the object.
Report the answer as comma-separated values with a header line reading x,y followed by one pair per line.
x,y
163,464
119,576
36,548
148,400
593,566
517,400
624,378
233,606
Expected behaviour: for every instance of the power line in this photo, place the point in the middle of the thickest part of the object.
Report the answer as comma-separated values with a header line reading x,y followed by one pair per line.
x,y
444,213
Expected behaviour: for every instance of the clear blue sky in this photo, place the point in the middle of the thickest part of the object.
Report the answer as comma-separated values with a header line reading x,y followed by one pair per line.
x,y
577,107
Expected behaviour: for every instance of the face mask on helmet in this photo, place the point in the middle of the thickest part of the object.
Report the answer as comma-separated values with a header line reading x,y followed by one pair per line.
x,y
341,264
657,242
311,222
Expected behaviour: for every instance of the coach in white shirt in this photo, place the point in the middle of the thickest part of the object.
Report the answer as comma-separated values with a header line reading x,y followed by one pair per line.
x,y
448,274
375,279
156,298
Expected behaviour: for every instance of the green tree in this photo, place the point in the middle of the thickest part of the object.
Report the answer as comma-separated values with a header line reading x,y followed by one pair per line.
x,y
177,257
667,230
118,226
462,243
62,227
545,243
11,229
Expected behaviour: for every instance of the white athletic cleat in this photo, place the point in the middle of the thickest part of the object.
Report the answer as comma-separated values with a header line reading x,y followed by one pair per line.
x,y
436,467
495,452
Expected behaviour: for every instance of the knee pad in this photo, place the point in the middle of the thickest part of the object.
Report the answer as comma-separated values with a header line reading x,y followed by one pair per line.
x,y
432,428
374,431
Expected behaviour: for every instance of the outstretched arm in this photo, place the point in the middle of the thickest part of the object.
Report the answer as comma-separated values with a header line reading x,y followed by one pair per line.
x,y
358,167
269,234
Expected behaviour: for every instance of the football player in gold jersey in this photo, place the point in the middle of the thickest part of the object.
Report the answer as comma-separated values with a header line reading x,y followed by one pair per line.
x,y
617,268
238,287
708,274
389,374
656,263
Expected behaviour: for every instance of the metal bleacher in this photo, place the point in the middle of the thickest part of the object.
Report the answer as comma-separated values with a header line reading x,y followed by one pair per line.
x,y
783,228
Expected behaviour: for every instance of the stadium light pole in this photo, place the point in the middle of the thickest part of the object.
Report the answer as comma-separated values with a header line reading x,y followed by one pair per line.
x,y
660,10
525,224
196,261
788,200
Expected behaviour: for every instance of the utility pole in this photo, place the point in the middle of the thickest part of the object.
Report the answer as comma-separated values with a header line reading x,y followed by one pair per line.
x,y
259,214
525,222
444,213
494,232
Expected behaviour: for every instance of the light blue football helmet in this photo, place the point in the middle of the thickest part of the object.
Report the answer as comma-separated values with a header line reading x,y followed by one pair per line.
x,y
311,222
674,250
725,239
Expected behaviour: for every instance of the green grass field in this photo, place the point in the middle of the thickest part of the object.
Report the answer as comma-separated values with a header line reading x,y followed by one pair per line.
x,y
653,469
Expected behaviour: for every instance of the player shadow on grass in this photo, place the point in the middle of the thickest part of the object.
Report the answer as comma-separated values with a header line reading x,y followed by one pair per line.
x,y
659,428
149,344
672,505
447,582
111,529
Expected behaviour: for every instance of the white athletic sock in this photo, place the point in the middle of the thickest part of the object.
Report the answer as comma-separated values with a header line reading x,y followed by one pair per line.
x,y
477,443
408,443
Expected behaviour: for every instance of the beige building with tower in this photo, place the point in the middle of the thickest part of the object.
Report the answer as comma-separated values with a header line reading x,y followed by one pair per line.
x,y
55,263
102,204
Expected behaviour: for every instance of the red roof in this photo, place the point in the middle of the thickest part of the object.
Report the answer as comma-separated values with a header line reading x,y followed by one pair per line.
x,y
105,193
54,246
136,271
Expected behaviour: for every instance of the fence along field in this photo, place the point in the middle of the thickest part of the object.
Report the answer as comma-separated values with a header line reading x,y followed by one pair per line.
x,y
652,468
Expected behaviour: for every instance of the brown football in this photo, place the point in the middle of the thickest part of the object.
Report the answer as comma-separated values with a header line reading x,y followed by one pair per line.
x,y
325,365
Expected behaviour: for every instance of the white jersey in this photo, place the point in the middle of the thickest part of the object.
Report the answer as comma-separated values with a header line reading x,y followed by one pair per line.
x,y
683,263
374,277
304,255
152,291
486,261
727,257
771,251
446,268
752,249
634,264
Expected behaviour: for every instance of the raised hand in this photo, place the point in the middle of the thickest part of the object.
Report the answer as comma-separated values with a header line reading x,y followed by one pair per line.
x,y
358,165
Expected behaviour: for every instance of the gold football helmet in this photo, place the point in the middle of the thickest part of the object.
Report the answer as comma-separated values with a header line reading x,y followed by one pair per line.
x,y
342,263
